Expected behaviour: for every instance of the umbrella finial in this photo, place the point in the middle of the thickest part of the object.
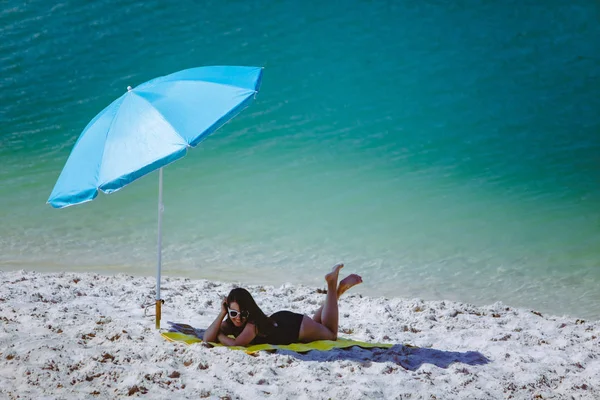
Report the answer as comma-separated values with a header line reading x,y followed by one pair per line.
x,y
129,88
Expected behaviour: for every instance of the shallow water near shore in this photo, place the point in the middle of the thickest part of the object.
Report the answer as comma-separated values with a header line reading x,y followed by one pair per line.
x,y
441,152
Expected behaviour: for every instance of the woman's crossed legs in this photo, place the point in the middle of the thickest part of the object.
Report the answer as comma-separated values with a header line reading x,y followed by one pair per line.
x,y
324,324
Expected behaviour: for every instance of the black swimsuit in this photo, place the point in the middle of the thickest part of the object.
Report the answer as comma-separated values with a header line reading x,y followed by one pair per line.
x,y
286,330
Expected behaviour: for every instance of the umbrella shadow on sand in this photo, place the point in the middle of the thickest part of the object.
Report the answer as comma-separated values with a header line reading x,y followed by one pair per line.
x,y
408,357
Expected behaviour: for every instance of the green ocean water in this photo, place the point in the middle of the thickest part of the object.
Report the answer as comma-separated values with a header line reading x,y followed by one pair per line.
x,y
442,151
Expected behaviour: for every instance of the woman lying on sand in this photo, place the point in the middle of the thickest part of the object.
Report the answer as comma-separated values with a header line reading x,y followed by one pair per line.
x,y
249,325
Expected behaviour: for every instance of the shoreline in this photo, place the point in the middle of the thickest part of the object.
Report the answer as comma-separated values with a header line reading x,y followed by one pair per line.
x,y
258,278
84,335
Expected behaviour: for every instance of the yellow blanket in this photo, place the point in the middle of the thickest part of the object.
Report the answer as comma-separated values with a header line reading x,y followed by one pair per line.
x,y
320,345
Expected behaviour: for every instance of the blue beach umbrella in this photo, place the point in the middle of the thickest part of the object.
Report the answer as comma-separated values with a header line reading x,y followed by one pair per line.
x,y
149,127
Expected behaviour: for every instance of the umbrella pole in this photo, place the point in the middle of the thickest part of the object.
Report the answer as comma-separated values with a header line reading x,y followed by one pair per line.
x,y
158,264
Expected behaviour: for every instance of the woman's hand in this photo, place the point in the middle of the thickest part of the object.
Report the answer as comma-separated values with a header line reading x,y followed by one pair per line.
x,y
211,334
224,306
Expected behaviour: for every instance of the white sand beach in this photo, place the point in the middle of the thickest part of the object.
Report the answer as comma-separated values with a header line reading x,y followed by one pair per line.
x,y
78,336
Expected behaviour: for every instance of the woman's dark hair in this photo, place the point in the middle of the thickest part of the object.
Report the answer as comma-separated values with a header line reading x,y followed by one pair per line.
x,y
255,314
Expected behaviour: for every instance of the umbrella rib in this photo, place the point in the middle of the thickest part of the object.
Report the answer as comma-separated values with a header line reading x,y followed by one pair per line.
x,y
112,122
151,83
238,109
199,81
163,118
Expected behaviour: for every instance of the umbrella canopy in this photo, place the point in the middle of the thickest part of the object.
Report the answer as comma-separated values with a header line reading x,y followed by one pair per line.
x,y
149,127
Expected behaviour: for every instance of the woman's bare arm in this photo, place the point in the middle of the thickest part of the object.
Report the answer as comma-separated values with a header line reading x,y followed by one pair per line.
x,y
211,334
243,339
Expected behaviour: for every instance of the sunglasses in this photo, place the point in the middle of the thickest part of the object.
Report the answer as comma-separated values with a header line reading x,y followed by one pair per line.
x,y
234,313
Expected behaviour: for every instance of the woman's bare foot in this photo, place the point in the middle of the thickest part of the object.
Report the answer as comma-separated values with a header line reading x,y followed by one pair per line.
x,y
348,282
332,277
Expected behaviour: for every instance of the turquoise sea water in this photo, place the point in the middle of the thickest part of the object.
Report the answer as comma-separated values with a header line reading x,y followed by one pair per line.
x,y
443,151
